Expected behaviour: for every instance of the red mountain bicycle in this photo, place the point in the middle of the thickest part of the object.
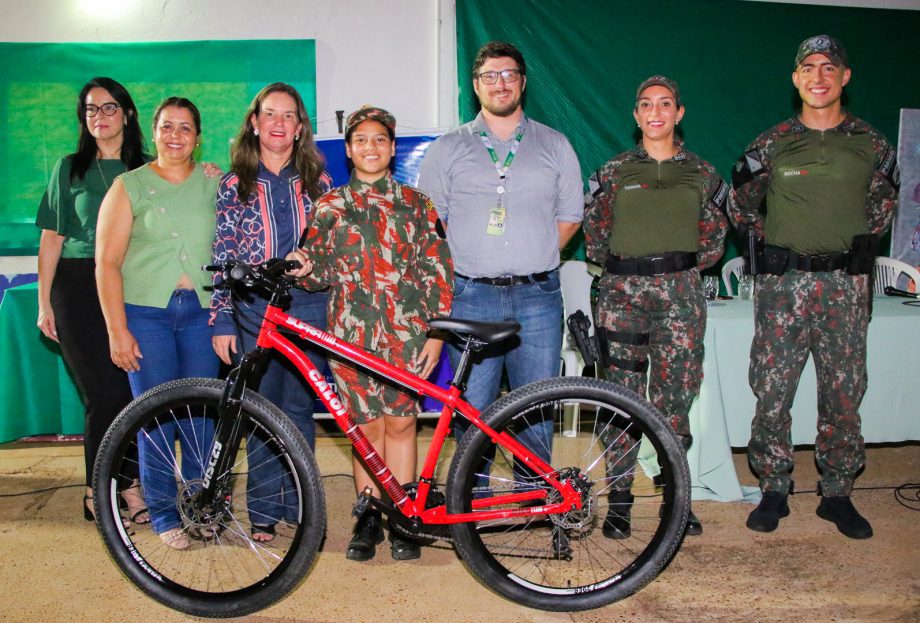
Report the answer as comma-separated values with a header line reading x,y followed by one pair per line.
x,y
525,521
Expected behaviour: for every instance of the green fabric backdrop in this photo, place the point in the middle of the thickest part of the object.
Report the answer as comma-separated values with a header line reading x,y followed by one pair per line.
x,y
732,59
39,83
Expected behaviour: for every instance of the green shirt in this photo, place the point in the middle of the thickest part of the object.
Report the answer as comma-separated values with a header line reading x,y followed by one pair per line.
x,y
657,208
172,235
71,208
816,201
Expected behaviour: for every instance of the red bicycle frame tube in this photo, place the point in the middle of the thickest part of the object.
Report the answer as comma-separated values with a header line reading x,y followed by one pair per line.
x,y
270,337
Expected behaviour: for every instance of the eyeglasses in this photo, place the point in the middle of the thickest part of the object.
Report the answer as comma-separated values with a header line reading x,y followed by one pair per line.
x,y
507,75
108,109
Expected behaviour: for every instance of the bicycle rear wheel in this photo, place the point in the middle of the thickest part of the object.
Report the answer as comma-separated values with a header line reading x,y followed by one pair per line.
x,y
223,572
564,562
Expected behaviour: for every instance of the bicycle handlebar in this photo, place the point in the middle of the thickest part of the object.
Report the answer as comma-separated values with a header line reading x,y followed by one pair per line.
x,y
269,274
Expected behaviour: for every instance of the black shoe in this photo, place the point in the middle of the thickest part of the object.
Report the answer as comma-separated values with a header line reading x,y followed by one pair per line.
x,y
772,507
840,511
616,524
368,534
404,548
694,526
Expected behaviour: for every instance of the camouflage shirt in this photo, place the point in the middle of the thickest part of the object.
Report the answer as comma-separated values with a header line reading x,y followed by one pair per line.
x,y
605,184
378,248
755,171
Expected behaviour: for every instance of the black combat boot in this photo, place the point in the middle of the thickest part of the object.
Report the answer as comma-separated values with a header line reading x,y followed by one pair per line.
x,y
694,525
403,547
616,525
765,518
368,534
840,511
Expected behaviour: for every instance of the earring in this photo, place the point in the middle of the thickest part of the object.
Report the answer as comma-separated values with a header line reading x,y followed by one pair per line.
x,y
255,131
297,137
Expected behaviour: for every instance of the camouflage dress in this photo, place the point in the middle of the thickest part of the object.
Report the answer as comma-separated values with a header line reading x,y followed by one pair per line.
x,y
378,249
851,167
655,322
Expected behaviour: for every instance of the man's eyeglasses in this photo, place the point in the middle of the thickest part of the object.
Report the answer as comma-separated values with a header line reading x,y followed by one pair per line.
x,y
107,109
507,75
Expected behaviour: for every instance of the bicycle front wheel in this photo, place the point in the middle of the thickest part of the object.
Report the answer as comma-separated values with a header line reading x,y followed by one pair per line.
x,y
564,562
212,565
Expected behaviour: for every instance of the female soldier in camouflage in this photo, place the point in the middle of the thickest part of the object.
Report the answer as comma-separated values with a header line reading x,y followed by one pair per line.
x,y
375,243
655,218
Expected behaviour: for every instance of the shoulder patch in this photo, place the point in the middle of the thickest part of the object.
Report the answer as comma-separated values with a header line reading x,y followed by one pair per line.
x,y
594,184
719,196
888,167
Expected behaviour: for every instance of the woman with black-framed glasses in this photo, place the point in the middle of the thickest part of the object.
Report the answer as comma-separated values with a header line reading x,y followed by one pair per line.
x,y
110,143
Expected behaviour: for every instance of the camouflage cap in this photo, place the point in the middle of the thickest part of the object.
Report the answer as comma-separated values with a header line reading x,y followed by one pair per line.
x,y
370,113
822,44
663,81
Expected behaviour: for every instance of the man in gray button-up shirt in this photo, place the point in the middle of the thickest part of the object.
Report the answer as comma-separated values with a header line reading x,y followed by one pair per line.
x,y
509,190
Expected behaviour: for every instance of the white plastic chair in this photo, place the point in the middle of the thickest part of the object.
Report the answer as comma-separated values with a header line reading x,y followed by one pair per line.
x,y
736,266
575,278
887,272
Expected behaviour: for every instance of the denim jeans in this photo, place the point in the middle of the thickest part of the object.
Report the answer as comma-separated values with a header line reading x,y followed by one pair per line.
x,y
531,355
270,492
175,343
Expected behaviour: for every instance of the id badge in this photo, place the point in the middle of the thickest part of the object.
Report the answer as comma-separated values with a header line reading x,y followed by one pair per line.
x,y
496,221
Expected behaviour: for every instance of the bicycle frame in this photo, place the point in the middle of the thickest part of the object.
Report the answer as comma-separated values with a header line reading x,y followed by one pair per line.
x,y
271,338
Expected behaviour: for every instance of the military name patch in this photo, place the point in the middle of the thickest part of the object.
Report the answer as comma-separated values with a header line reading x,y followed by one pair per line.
x,y
795,173
635,186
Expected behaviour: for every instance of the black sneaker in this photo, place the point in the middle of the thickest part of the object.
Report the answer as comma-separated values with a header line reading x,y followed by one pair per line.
x,y
772,507
839,510
616,524
368,534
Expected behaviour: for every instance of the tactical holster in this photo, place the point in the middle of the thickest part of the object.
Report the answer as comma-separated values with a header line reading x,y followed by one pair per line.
x,y
861,258
604,337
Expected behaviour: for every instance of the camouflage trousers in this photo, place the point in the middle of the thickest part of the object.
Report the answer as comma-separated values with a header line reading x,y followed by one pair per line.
x,y
796,314
368,396
662,321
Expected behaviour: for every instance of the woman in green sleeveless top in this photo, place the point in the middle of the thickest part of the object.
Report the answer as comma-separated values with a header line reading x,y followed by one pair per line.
x,y
110,143
156,228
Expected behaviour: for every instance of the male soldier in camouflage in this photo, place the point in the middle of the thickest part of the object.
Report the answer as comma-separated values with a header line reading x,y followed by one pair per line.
x,y
655,217
375,243
826,181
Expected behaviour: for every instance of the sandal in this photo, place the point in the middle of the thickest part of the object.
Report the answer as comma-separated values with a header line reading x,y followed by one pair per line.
x,y
175,538
137,512
89,515
142,520
259,533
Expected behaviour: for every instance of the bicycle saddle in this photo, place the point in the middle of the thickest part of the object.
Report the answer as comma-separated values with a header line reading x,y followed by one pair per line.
x,y
487,332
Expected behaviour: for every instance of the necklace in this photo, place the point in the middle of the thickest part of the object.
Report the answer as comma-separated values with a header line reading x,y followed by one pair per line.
x,y
102,175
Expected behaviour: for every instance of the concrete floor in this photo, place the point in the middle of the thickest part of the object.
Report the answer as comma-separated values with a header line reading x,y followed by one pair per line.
x,y
54,567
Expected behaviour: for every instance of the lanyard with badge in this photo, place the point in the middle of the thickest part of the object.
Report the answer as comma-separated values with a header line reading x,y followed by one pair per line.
x,y
496,226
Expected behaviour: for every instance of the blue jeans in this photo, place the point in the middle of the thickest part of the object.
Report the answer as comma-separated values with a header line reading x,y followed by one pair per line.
x,y
270,491
175,343
531,355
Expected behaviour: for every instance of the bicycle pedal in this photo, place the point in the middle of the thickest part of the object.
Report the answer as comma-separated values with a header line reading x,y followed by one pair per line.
x,y
363,500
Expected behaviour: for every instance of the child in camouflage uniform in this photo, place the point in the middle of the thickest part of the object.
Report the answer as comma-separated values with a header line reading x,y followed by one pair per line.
x,y
375,243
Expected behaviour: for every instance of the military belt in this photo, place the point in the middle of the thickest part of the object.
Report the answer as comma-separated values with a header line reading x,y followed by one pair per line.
x,y
510,280
650,266
817,263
